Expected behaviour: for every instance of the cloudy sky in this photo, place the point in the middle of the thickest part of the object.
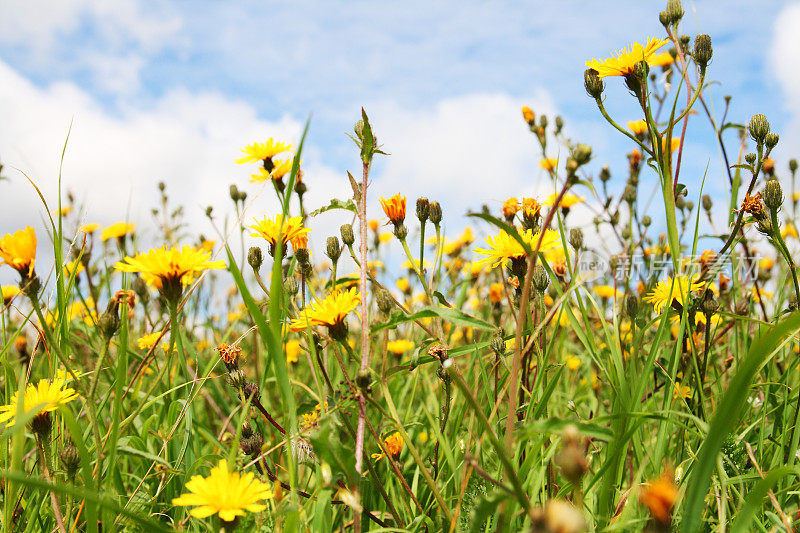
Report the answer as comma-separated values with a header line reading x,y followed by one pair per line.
x,y
171,91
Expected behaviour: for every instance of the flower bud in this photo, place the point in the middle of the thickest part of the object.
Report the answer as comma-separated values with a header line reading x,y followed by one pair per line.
x,y
631,305
742,307
576,238
703,50
333,250
629,194
646,221
385,301
664,18
363,379
234,192
605,174
773,194
528,115
290,286
237,379
251,445
303,256
540,279
435,213
793,165
750,158
255,258
70,459
347,234
593,84
709,305
559,124
771,140
707,203
674,11
582,154
400,231
758,128
109,321
423,209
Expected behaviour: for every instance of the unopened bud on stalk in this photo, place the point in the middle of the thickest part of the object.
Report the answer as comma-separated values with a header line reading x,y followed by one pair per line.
x,y
251,444
290,286
707,203
576,238
435,213
593,84
400,231
750,158
605,174
559,124
793,165
631,305
347,234
540,279
758,128
70,460
255,258
709,305
646,221
302,255
674,11
423,209
582,154
109,321
742,307
680,202
629,195
498,345
237,379
771,140
703,50
773,194
234,192
363,379
333,250
385,302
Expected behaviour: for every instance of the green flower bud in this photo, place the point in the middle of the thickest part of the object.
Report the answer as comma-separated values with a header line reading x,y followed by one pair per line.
x,y
703,50
70,460
347,234
674,11
302,255
498,345
707,203
385,301
400,231
793,165
631,305
758,128
423,209
435,213
109,321
773,194
333,250
540,279
576,238
771,140
290,286
593,84
605,174
255,258
234,192
582,154
750,158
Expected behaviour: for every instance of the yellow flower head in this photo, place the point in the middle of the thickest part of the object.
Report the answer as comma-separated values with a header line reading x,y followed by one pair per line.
x,y
89,228
74,266
42,398
393,444
666,292
681,391
145,342
622,62
567,201
281,168
395,208
504,246
292,350
659,497
789,230
225,493
606,291
528,114
169,269
400,346
496,293
531,207
261,151
548,163
403,285
637,127
9,292
510,207
675,142
293,230
330,311
117,231
18,250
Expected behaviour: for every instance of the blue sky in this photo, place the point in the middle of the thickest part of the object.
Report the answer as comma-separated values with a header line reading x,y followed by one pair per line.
x,y
171,90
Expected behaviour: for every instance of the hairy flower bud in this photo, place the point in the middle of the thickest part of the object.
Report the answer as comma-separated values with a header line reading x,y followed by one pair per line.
x,y
758,128
333,250
109,321
631,305
70,459
703,50
255,258
423,209
674,11
646,221
605,174
750,158
593,84
707,203
540,279
385,301
773,194
290,286
347,234
435,213
576,238
303,256
582,154
771,140
793,165
400,231
234,192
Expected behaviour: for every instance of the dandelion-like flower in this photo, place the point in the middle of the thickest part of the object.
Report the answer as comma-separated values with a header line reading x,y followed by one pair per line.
x,y
510,207
225,493
393,444
622,63
169,269
117,231
146,342
637,127
331,311
261,151
548,163
567,201
400,346
9,293
666,292
395,208
281,168
271,231
607,291
18,250
660,496
503,246
42,398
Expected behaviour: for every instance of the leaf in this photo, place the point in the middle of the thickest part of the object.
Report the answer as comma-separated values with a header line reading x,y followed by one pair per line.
x,y
347,205
367,139
454,316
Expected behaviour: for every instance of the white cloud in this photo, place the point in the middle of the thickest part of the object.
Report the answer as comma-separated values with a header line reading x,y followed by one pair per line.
x,y
784,53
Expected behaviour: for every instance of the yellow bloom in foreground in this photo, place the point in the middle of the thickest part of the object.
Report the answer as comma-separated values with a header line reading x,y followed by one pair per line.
x,y
169,268
393,444
18,250
225,493
680,390
261,151
9,292
292,350
548,163
395,208
667,292
622,63
330,311
504,246
637,127
42,398
117,231
567,201
400,346
271,231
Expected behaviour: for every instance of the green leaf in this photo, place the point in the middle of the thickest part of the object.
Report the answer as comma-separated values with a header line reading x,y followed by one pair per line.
x,y
347,205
